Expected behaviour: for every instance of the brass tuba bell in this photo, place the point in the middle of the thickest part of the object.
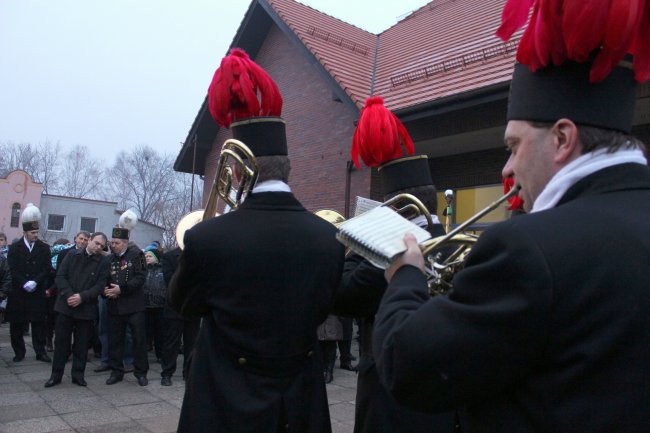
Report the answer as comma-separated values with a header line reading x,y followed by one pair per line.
x,y
236,166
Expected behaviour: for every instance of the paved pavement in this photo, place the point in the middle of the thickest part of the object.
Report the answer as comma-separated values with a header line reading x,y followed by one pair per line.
x,y
27,407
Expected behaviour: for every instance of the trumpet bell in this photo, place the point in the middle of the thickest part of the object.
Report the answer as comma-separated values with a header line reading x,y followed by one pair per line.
x,y
444,257
186,223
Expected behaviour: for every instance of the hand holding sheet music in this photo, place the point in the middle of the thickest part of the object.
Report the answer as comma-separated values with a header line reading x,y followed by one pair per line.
x,y
378,235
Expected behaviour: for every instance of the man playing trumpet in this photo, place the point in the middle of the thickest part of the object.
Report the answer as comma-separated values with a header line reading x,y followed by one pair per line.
x,y
547,328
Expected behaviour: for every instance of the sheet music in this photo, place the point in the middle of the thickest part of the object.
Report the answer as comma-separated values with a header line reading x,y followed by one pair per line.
x,y
363,205
378,235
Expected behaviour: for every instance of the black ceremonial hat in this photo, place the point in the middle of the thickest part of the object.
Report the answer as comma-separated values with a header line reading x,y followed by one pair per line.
x,y
564,91
120,233
264,136
574,60
402,173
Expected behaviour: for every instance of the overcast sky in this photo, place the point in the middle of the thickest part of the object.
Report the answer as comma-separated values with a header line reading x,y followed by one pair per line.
x,y
114,74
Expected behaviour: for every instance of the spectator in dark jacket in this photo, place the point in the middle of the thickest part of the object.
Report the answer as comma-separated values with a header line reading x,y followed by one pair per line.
x,y
80,279
154,293
176,327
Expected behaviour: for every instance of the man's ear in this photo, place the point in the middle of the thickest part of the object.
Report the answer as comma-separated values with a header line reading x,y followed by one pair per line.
x,y
566,141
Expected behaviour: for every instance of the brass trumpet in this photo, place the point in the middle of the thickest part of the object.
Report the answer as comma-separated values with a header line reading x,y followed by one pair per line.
x,y
441,263
236,162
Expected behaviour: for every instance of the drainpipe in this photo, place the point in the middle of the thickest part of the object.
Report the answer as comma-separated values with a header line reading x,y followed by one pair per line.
x,y
348,179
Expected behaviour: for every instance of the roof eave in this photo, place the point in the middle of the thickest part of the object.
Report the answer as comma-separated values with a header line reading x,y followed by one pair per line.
x,y
455,102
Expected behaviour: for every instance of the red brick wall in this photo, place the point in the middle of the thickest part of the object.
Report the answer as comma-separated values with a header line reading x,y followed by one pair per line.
x,y
319,130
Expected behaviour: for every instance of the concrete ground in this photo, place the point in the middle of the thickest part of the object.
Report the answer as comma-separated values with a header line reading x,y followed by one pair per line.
x,y
27,407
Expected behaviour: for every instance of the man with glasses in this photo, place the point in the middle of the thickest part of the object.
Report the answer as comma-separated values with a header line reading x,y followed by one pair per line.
x,y
80,279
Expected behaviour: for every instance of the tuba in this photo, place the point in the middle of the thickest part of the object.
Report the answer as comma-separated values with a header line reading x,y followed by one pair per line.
x,y
331,216
236,175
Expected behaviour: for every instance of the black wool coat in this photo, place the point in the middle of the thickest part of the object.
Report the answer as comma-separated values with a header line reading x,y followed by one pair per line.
x,y
169,264
129,271
28,266
376,411
84,274
263,278
548,326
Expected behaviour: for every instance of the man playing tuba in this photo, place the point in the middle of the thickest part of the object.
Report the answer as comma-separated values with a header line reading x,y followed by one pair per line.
x,y
262,277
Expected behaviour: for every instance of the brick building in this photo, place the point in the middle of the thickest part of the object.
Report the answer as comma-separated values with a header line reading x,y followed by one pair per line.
x,y
441,70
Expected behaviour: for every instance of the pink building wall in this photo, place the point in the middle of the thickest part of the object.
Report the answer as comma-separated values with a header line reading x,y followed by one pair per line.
x,y
17,187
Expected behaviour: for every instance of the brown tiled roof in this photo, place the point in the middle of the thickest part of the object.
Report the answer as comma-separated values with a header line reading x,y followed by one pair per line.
x,y
445,48
345,51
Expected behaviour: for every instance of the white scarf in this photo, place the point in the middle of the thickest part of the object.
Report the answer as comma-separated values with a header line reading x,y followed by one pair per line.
x,y
28,245
271,186
266,186
580,168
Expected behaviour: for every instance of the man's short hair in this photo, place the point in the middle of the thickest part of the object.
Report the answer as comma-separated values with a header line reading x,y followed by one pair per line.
x,y
3,236
425,193
61,241
82,232
593,138
275,167
94,235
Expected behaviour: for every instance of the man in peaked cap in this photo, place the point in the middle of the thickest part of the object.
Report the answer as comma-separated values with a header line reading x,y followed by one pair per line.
x,y
30,263
363,284
547,328
262,278
125,303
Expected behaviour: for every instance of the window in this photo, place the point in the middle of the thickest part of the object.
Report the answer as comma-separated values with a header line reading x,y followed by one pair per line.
x,y
15,214
55,222
469,201
88,224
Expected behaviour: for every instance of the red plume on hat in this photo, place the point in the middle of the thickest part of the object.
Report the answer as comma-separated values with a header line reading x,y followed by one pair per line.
x,y
379,135
241,89
562,30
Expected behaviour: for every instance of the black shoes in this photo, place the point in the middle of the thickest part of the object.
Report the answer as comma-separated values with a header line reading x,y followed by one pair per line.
x,y
142,380
18,358
348,366
43,357
102,368
77,381
114,378
52,381
166,381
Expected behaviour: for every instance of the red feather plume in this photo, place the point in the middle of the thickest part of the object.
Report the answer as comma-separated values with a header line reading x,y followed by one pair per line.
x,y
379,135
562,30
515,201
233,92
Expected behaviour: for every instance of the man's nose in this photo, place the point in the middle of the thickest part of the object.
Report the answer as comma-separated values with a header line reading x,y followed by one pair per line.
x,y
507,168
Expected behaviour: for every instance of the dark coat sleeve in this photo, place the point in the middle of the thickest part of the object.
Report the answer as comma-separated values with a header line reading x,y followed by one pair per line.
x,y
361,288
103,271
185,288
13,259
437,353
61,280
